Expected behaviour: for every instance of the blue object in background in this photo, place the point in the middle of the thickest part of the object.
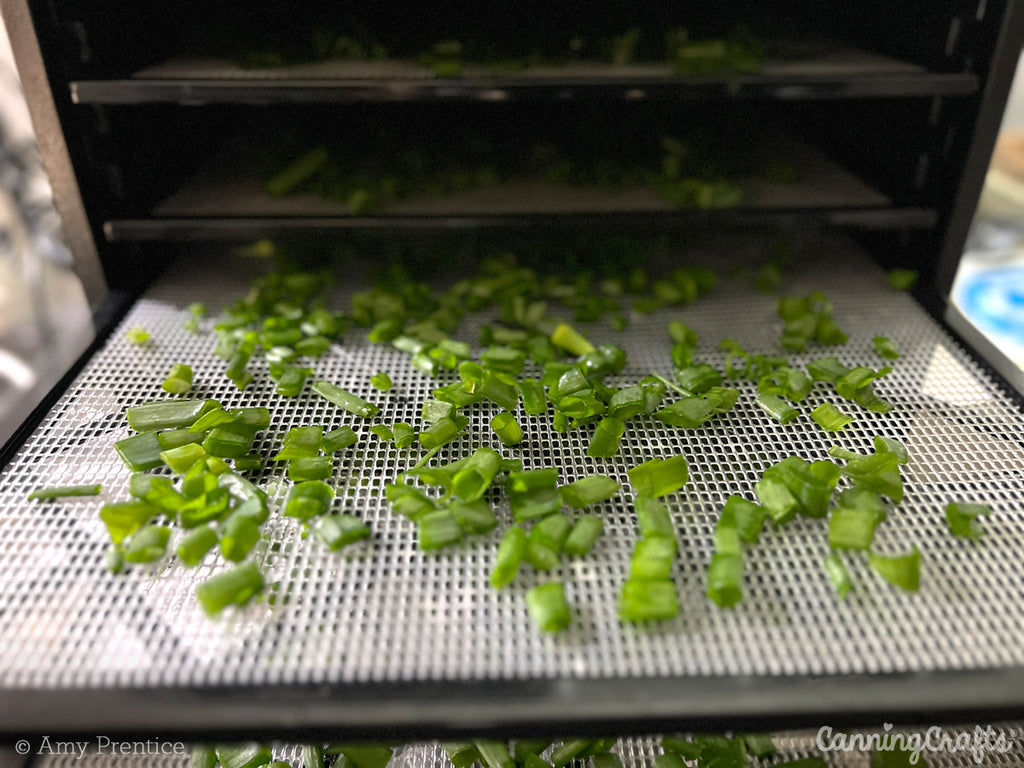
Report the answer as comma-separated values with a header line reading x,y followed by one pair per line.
x,y
994,301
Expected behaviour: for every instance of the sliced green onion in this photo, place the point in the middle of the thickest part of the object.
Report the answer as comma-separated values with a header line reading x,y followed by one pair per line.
x,y
193,548
381,381
140,452
180,460
852,528
669,760
830,418
292,380
962,518
605,442
725,579
462,754
312,756
659,477
643,600
234,587
367,755
475,517
535,403
544,544
175,438
474,477
653,518
652,559
179,380
138,336
404,434
338,439
568,751
147,544
227,443
526,747
903,571
837,575
589,490
507,428
308,499
759,744
240,534
584,536
345,400
685,749
65,491
696,379
437,529
879,472
408,501
383,431
243,755
745,516
511,553
203,756
891,445
885,348
443,431
494,754
548,607
337,531
300,443
777,408
569,339
689,413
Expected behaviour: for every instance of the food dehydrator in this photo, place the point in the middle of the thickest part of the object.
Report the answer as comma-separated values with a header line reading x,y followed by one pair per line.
x,y
885,112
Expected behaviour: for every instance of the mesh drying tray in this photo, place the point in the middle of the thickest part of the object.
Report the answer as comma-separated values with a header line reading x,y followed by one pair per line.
x,y
392,640
961,746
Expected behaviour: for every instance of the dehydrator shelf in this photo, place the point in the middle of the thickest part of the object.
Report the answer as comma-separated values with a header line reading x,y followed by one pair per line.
x,y
839,72
1001,744
390,640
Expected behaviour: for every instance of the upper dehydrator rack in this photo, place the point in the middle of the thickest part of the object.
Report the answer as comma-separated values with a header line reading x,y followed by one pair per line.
x,y
390,640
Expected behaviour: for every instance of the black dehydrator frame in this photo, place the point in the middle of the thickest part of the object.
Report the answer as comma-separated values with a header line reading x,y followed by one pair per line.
x,y
70,89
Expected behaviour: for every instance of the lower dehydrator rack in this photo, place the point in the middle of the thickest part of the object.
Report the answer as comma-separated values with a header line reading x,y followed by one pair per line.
x,y
959,746
390,640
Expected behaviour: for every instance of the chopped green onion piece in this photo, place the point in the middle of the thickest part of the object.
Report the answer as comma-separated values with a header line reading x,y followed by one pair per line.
x,y
240,534
569,339
653,518
725,579
961,517
526,747
147,544
697,379
203,757
193,548
179,380
180,460
727,540
548,607
65,491
462,754
404,434
643,600
850,384
837,575
474,516
227,444
690,412
443,431
383,431
830,418
777,499
408,501
652,559
866,398
759,744
605,442
891,445
507,428
588,490
745,516
337,531
345,400
827,369
338,439
902,279
313,346
852,527
308,499
474,476
535,403
300,443
140,452
437,529
310,468
175,438
546,539
138,336
234,587
511,553
312,756
885,348
251,462
367,755
584,536
879,472
659,477
381,381
292,380
903,571
568,751
243,755
669,760
494,754
777,408
685,749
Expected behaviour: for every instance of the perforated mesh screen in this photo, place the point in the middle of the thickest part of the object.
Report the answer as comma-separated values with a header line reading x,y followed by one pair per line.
x,y
957,752
387,612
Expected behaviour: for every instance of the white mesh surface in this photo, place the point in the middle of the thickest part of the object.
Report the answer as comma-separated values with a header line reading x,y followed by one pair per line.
x,y
641,752
387,612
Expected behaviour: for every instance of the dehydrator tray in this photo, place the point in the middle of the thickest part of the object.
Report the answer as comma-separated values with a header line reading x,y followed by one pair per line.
x,y
958,746
835,71
390,640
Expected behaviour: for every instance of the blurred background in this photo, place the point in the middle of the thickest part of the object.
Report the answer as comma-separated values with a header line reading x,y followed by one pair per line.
x,y
45,324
